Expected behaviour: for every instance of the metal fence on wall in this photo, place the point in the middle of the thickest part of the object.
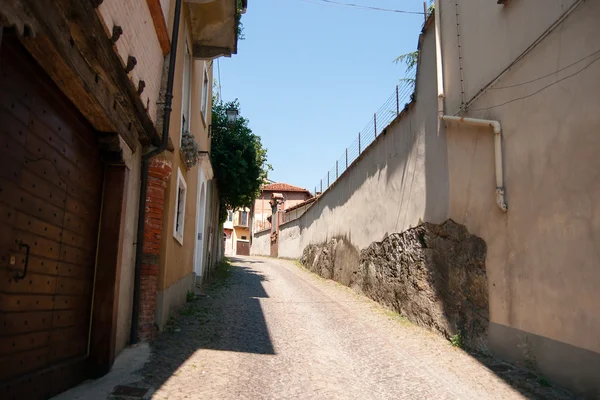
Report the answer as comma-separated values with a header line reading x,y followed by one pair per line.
x,y
380,120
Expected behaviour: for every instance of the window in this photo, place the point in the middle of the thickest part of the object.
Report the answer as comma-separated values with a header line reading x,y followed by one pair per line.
x,y
244,218
187,90
180,207
205,97
230,215
243,237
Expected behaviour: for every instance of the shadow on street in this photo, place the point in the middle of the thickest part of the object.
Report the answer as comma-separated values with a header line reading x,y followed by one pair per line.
x,y
228,318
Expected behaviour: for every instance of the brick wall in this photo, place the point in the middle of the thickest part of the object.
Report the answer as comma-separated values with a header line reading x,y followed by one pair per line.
x,y
158,176
140,40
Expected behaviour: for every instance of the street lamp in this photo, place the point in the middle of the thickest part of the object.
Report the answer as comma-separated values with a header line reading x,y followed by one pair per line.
x,y
232,114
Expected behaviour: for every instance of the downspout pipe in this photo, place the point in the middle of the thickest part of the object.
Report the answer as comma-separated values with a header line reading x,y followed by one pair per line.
x,y
135,313
439,61
497,129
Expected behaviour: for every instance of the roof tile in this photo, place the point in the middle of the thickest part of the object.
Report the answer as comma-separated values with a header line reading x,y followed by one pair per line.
x,y
283,187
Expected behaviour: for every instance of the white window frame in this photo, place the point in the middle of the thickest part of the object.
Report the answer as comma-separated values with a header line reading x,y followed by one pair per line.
x,y
205,98
179,215
186,109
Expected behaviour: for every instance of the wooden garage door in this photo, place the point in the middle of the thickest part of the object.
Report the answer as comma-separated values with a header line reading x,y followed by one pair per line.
x,y
50,186
243,248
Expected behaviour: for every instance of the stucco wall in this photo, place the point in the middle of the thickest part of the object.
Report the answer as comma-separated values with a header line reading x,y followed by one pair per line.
x,y
543,261
176,258
261,244
262,210
140,40
132,161
397,182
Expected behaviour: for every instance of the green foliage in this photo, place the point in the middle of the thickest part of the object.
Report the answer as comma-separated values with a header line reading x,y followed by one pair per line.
x,y
190,296
431,8
410,59
528,354
239,27
457,340
222,271
544,381
238,158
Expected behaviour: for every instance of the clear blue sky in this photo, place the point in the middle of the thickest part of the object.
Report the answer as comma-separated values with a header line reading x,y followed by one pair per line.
x,y
310,75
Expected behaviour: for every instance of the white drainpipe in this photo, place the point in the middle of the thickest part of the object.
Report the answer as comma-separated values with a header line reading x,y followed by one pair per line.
x,y
495,125
438,59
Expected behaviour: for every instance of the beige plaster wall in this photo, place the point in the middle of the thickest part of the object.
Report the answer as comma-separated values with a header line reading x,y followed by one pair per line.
x,y
176,258
261,244
133,162
398,181
543,262
238,232
489,44
262,210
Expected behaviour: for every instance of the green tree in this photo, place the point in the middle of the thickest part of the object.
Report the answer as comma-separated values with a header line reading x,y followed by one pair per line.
x,y
238,158
411,59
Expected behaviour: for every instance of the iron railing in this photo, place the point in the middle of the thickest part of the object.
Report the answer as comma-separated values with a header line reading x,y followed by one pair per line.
x,y
387,113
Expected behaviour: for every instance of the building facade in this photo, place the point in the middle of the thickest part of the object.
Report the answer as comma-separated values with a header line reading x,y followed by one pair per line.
x,y
84,86
261,213
237,232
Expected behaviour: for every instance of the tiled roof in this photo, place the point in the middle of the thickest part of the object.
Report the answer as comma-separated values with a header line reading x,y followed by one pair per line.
x,y
283,187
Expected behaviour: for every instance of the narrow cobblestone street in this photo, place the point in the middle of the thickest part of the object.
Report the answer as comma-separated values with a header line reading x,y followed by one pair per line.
x,y
272,330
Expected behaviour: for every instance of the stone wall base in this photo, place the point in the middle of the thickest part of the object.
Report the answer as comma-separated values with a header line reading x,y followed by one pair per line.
x,y
434,275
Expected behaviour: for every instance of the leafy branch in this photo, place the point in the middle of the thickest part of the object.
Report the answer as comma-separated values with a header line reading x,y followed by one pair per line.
x,y
239,160
410,60
239,27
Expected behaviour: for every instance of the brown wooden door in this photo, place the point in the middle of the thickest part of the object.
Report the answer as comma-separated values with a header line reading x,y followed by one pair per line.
x,y
243,248
50,187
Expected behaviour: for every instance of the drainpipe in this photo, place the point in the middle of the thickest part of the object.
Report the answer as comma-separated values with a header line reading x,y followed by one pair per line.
x,y
438,61
495,125
135,313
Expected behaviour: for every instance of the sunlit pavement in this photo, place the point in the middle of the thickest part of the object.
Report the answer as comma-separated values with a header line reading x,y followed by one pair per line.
x,y
272,330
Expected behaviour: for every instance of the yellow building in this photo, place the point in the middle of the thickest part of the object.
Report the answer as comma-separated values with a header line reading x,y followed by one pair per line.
x,y
115,219
237,232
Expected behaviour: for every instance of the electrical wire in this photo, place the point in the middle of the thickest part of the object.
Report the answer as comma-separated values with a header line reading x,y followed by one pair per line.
x,y
545,76
339,3
539,90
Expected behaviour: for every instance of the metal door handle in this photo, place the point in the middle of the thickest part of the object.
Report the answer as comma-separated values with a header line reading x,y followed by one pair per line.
x,y
27,249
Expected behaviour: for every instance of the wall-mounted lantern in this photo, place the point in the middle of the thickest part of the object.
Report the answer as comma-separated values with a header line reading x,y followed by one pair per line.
x,y
232,114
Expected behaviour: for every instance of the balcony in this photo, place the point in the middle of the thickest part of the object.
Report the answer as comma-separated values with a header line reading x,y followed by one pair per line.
x,y
215,27
240,219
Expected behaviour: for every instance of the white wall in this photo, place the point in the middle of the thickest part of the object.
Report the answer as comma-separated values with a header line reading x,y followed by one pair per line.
x,y
261,244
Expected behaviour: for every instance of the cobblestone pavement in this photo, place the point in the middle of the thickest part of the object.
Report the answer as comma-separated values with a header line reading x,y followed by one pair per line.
x,y
275,331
